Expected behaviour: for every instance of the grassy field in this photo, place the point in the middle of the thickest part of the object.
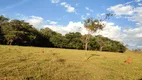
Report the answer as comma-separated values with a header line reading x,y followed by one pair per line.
x,y
33,63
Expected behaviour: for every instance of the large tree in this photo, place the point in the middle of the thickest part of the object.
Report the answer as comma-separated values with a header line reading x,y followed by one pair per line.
x,y
19,32
92,26
9,33
2,21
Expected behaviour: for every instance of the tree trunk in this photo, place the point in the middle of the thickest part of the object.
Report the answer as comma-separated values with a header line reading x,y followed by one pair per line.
x,y
87,41
86,45
9,42
0,23
101,48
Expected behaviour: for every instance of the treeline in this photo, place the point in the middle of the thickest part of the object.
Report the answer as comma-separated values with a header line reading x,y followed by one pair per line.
x,y
19,32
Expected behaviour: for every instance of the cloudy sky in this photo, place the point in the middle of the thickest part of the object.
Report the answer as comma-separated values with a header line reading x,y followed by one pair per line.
x,y
66,16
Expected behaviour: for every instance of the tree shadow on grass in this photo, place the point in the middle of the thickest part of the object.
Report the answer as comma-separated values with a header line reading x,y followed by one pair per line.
x,y
140,79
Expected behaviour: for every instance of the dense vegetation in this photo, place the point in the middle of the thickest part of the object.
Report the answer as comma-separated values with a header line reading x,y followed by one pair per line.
x,y
19,32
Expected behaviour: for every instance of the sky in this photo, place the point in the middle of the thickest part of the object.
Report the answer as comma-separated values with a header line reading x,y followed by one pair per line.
x,y
66,16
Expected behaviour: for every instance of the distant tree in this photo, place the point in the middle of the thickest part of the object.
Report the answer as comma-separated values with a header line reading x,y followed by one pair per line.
x,y
58,40
137,50
102,41
22,33
85,41
121,48
19,32
47,32
9,33
93,25
93,44
74,40
2,21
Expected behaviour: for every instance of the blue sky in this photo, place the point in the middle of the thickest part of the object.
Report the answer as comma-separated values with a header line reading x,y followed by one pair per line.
x,y
67,16
56,12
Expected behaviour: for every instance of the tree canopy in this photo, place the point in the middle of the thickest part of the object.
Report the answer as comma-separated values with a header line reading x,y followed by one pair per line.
x,y
19,32
93,25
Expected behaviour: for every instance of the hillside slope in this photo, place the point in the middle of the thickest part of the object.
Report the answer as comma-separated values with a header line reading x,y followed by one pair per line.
x,y
33,63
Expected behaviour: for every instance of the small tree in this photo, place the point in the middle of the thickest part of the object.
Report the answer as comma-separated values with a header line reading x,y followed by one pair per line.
x,y
93,25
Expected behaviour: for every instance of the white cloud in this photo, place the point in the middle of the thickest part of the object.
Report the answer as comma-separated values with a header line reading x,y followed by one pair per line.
x,y
139,35
35,21
51,22
76,4
88,14
140,4
86,8
55,1
132,1
129,2
83,17
111,31
103,14
137,0
137,17
128,12
89,9
121,9
131,36
68,7
71,27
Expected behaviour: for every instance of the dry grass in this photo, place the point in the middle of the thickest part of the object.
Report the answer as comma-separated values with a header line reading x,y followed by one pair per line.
x,y
33,63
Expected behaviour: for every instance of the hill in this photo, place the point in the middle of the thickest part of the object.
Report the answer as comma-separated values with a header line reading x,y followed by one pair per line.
x,y
34,63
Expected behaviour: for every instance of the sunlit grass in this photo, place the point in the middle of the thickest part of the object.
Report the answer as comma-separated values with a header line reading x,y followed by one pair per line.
x,y
33,63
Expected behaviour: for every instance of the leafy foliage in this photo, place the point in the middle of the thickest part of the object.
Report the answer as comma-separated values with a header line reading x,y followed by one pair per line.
x,y
19,32
74,40
58,40
2,21
92,26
